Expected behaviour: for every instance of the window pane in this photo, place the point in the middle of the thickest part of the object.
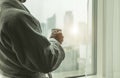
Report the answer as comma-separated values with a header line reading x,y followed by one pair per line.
x,y
74,17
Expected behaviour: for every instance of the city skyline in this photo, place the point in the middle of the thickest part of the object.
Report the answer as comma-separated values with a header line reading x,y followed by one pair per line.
x,y
43,9
69,26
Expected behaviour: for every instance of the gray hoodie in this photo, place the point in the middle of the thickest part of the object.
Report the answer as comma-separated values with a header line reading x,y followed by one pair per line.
x,y
24,52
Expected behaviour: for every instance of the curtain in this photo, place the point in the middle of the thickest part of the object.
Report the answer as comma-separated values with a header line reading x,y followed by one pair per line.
x,y
111,38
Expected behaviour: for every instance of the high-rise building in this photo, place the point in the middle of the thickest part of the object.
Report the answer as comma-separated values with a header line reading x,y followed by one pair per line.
x,y
68,19
84,32
51,22
70,62
68,24
44,29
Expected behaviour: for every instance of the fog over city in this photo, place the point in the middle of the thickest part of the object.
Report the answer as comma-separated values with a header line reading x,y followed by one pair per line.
x,y
42,9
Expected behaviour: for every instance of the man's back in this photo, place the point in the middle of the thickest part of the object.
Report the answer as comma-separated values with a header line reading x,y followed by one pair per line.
x,y
24,52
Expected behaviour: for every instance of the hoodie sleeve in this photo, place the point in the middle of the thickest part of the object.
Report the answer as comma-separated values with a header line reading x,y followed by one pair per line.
x,y
33,50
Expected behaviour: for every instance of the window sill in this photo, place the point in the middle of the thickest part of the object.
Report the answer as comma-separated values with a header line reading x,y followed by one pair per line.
x,y
94,76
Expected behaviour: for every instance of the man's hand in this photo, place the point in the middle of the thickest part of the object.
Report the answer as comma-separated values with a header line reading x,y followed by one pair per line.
x,y
57,34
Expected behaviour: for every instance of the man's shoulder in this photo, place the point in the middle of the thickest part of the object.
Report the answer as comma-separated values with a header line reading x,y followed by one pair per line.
x,y
13,14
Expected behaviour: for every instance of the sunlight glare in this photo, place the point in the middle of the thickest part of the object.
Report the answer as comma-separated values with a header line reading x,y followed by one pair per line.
x,y
74,31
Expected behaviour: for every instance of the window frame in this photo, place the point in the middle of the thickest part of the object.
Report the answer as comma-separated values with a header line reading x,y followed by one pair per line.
x,y
94,32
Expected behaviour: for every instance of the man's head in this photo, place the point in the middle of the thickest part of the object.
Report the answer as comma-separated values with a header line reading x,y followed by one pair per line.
x,y
22,1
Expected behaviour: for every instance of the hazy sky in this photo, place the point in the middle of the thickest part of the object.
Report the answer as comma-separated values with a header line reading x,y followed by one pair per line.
x,y
42,9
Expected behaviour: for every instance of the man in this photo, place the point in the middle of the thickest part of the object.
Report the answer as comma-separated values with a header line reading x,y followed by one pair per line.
x,y
24,52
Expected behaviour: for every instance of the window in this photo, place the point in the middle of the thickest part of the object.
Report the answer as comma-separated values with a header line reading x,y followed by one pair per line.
x,y
75,18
